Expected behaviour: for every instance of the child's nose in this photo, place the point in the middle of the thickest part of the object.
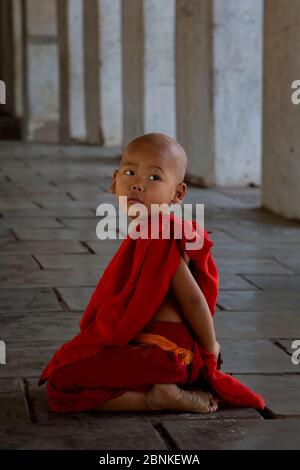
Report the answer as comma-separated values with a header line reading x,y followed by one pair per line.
x,y
137,187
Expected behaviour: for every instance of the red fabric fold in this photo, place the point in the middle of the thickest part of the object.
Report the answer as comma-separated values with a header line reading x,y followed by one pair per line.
x,y
130,291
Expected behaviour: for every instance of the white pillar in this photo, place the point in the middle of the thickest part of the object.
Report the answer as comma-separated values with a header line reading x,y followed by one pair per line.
x,y
218,74
18,56
148,67
132,69
159,85
194,87
237,91
78,129
42,71
281,118
110,71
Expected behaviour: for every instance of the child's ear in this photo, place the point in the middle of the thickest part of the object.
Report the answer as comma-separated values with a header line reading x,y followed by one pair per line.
x,y
180,193
112,189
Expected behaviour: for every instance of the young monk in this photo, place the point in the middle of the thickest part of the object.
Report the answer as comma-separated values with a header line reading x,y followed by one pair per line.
x,y
147,340
152,171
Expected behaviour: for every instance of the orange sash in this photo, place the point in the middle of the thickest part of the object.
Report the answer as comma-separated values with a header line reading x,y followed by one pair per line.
x,y
185,355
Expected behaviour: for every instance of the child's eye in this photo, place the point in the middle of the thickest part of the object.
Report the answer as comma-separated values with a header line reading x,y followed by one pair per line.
x,y
127,170
156,176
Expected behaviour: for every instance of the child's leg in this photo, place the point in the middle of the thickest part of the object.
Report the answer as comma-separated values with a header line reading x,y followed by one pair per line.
x,y
121,378
108,375
162,397
128,401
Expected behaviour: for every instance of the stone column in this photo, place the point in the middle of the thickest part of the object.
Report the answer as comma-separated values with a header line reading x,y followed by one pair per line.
x,y
64,76
148,67
42,82
133,68
80,104
92,75
110,69
159,63
194,87
237,74
281,118
18,56
78,128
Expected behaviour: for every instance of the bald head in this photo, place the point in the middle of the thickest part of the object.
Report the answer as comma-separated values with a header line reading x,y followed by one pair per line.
x,y
164,146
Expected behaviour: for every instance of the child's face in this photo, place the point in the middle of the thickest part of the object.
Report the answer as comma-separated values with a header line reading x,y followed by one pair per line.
x,y
147,175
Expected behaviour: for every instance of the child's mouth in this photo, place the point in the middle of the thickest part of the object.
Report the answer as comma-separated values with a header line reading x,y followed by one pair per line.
x,y
134,200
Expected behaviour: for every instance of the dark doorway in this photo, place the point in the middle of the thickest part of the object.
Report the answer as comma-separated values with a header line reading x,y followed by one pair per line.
x,y
10,125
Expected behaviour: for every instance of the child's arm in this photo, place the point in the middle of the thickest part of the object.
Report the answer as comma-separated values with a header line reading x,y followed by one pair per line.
x,y
194,307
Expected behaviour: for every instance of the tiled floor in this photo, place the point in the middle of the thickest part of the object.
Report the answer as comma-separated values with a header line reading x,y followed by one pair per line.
x,y
50,261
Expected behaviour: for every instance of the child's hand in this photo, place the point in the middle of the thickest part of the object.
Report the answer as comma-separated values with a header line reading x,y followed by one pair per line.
x,y
215,350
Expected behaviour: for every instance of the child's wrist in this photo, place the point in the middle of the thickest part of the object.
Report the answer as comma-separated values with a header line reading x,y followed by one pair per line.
x,y
214,349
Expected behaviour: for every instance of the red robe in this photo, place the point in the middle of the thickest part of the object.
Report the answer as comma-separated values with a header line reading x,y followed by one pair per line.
x,y
130,291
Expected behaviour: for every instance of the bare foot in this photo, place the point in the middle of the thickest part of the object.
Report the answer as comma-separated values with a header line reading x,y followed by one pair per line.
x,y
171,397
